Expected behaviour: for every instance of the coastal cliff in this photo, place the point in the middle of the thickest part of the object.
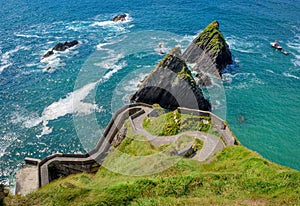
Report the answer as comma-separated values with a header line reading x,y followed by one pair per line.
x,y
209,52
171,85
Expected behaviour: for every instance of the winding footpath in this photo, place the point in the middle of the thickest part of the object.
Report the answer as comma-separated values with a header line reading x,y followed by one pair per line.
x,y
37,173
211,143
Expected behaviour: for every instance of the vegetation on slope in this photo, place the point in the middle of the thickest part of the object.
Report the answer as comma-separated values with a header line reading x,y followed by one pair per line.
x,y
172,123
211,38
236,176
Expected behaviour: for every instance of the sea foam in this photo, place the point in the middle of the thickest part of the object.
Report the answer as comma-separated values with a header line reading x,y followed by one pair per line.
x,y
73,102
112,23
6,57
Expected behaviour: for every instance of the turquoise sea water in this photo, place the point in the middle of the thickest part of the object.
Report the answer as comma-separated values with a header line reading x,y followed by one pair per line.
x,y
44,112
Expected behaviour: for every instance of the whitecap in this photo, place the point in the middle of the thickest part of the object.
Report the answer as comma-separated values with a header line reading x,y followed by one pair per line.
x,y
73,102
271,71
295,44
51,63
103,23
132,84
287,74
4,67
243,45
5,58
27,35
115,69
5,141
241,80
112,23
110,62
31,64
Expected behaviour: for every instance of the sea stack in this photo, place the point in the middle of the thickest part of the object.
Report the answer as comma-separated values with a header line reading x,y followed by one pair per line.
x,y
209,52
171,85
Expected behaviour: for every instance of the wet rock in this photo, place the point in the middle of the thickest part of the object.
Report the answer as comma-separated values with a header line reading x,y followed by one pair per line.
x,y
121,17
49,53
61,47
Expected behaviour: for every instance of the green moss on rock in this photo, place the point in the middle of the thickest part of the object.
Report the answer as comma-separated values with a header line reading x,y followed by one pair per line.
x,y
211,38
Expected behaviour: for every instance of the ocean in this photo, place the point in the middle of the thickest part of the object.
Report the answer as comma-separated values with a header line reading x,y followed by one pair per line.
x,y
66,108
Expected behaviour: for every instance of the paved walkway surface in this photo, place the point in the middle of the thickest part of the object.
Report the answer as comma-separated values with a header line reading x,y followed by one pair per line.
x,y
31,177
211,143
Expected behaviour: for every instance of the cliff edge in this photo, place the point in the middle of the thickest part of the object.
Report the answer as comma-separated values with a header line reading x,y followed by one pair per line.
x,y
171,85
209,52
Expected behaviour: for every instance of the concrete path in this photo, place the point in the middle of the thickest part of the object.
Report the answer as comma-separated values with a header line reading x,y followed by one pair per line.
x,y
36,173
211,143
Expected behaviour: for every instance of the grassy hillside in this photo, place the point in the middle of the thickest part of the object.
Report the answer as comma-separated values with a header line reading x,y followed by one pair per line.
x,y
236,176
172,123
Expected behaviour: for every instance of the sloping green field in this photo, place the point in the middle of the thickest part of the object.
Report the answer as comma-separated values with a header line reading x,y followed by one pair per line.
x,y
236,176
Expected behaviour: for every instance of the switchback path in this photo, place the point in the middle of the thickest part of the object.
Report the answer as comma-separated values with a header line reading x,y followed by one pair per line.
x,y
212,144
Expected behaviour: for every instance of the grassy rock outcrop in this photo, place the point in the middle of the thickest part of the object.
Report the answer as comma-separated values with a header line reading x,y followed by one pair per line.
x,y
209,52
171,85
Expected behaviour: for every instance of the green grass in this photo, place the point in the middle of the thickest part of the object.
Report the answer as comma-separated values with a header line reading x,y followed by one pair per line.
x,y
172,123
138,173
236,176
197,145
211,38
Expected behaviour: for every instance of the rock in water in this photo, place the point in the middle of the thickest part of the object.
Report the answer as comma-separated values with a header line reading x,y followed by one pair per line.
x,y
49,53
66,45
209,52
121,17
61,47
171,85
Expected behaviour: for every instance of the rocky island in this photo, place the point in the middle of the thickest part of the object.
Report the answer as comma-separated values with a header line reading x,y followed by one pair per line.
x,y
171,85
209,52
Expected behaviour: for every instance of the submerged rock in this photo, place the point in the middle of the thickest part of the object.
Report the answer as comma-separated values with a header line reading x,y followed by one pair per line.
x,y
171,85
61,47
209,52
121,17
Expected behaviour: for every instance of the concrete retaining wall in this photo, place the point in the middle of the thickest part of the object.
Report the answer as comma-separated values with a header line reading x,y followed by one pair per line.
x,y
58,165
216,121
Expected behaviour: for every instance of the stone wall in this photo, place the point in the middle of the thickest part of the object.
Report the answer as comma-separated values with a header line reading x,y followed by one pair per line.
x,y
58,165
221,126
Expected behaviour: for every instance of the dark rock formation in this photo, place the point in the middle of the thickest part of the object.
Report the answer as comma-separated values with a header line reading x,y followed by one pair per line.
x,y
66,45
209,52
3,193
61,47
171,85
49,53
121,17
